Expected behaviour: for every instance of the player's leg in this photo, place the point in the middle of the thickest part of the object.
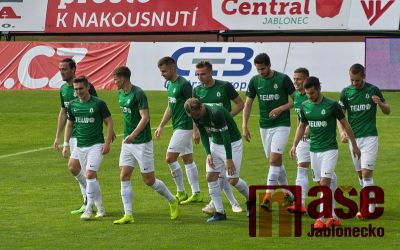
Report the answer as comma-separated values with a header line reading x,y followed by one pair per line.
x,y
173,151
78,172
213,184
127,162
357,162
303,164
329,179
145,158
94,158
369,151
193,177
235,180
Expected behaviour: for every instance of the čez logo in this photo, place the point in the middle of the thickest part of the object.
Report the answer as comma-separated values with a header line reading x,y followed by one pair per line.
x,y
236,61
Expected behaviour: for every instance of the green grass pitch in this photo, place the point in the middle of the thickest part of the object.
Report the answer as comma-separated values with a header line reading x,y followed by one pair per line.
x,y
37,191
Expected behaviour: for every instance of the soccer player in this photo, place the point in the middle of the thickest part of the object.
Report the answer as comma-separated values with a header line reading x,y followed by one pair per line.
x,y
86,115
67,69
220,92
303,148
273,90
137,146
320,114
360,100
178,91
224,151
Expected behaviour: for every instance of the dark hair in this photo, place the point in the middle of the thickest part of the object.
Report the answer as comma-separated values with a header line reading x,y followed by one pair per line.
x,y
262,58
204,64
303,71
357,69
82,79
122,71
192,104
312,82
167,60
70,61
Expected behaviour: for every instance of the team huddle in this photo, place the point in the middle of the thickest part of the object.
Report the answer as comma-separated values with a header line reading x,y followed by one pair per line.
x,y
206,113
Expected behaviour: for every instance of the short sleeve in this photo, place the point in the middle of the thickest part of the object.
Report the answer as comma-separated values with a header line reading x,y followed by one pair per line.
x,y
251,90
231,91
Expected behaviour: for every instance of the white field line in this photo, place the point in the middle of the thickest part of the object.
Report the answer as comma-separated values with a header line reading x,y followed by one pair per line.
x,y
46,148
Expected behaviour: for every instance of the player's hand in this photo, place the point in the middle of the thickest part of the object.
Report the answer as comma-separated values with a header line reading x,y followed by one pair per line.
x,y
356,152
105,149
196,136
113,136
157,133
275,113
292,152
246,134
376,99
65,152
56,144
128,139
230,167
344,137
210,161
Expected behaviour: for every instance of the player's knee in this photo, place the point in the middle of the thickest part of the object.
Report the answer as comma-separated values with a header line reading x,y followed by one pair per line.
x,y
233,181
91,174
149,180
74,167
211,177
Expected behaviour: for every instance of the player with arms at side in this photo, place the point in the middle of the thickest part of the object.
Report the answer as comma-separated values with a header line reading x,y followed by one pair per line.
x,y
360,100
178,91
137,146
67,69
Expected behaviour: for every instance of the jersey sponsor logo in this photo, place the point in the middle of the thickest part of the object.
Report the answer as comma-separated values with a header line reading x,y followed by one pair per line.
x,y
171,99
318,124
126,110
84,119
272,97
361,107
217,129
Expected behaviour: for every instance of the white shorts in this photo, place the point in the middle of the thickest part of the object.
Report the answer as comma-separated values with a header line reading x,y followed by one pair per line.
x,y
323,164
181,142
73,144
219,157
90,157
137,154
369,150
274,139
303,152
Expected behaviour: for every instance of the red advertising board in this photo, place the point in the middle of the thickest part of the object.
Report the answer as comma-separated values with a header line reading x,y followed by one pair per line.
x,y
129,16
34,65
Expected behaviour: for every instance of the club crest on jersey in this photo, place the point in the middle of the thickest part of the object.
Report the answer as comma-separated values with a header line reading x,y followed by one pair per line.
x,y
129,101
367,96
173,91
275,86
91,110
323,112
218,94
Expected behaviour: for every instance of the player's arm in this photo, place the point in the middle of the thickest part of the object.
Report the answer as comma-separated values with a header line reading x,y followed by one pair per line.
x,y
343,104
384,106
110,135
62,118
67,137
220,122
144,113
278,111
350,134
166,117
246,115
239,105
298,136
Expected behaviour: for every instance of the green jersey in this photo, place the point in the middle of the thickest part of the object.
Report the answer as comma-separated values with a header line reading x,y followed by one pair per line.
x,y
220,93
272,93
321,119
298,99
178,92
130,104
67,94
361,109
223,130
88,120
